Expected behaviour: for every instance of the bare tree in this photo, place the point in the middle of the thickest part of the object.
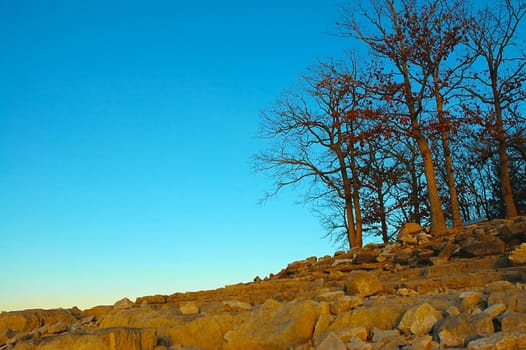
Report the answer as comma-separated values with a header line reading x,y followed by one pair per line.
x,y
499,84
388,35
316,138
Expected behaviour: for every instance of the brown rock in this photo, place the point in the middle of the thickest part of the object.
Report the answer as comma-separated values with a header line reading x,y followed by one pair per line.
x,y
28,320
499,341
408,232
518,256
100,339
202,332
513,322
419,319
275,327
330,296
459,329
188,308
422,342
122,304
331,342
152,299
472,248
363,283
376,316
346,303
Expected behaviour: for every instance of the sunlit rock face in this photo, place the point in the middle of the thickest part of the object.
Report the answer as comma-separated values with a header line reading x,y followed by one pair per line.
x,y
465,289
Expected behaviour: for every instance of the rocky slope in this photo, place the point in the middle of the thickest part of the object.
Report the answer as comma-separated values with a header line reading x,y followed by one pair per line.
x,y
465,289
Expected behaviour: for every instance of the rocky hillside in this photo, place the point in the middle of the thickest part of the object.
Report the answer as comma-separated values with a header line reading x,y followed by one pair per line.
x,y
466,289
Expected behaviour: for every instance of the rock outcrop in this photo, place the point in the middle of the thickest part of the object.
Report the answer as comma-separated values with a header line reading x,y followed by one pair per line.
x,y
464,290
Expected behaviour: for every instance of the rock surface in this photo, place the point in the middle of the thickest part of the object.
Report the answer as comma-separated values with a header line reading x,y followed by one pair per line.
x,y
463,290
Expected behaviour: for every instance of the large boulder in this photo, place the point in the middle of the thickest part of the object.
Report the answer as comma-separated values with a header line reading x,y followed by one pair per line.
x,y
363,283
119,338
518,256
375,316
419,319
275,326
28,320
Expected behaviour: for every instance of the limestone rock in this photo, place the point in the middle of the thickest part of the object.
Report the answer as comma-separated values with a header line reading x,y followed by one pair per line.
x,y
363,283
458,329
330,296
122,304
100,339
499,341
518,256
358,344
419,319
331,342
376,316
346,303
408,232
275,327
189,308
470,300
422,342
235,305
28,320
473,248
513,322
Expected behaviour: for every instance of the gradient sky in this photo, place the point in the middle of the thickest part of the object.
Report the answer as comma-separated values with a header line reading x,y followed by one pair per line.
x,y
126,131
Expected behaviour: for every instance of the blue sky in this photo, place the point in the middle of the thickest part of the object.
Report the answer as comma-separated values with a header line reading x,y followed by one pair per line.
x,y
126,131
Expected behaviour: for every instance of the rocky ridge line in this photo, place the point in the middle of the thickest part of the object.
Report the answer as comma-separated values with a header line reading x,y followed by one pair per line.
x,y
465,289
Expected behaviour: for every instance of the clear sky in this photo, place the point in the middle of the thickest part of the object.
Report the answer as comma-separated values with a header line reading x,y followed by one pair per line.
x,y
126,131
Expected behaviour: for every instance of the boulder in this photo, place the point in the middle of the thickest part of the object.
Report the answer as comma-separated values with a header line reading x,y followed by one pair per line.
x,y
275,326
419,319
518,256
345,303
236,305
408,232
363,283
202,332
123,304
513,322
331,342
101,339
28,320
421,342
188,308
499,341
478,248
375,316
459,329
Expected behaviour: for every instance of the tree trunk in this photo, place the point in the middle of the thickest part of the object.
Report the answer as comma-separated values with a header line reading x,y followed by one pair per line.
x,y
356,200
438,222
453,196
505,183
